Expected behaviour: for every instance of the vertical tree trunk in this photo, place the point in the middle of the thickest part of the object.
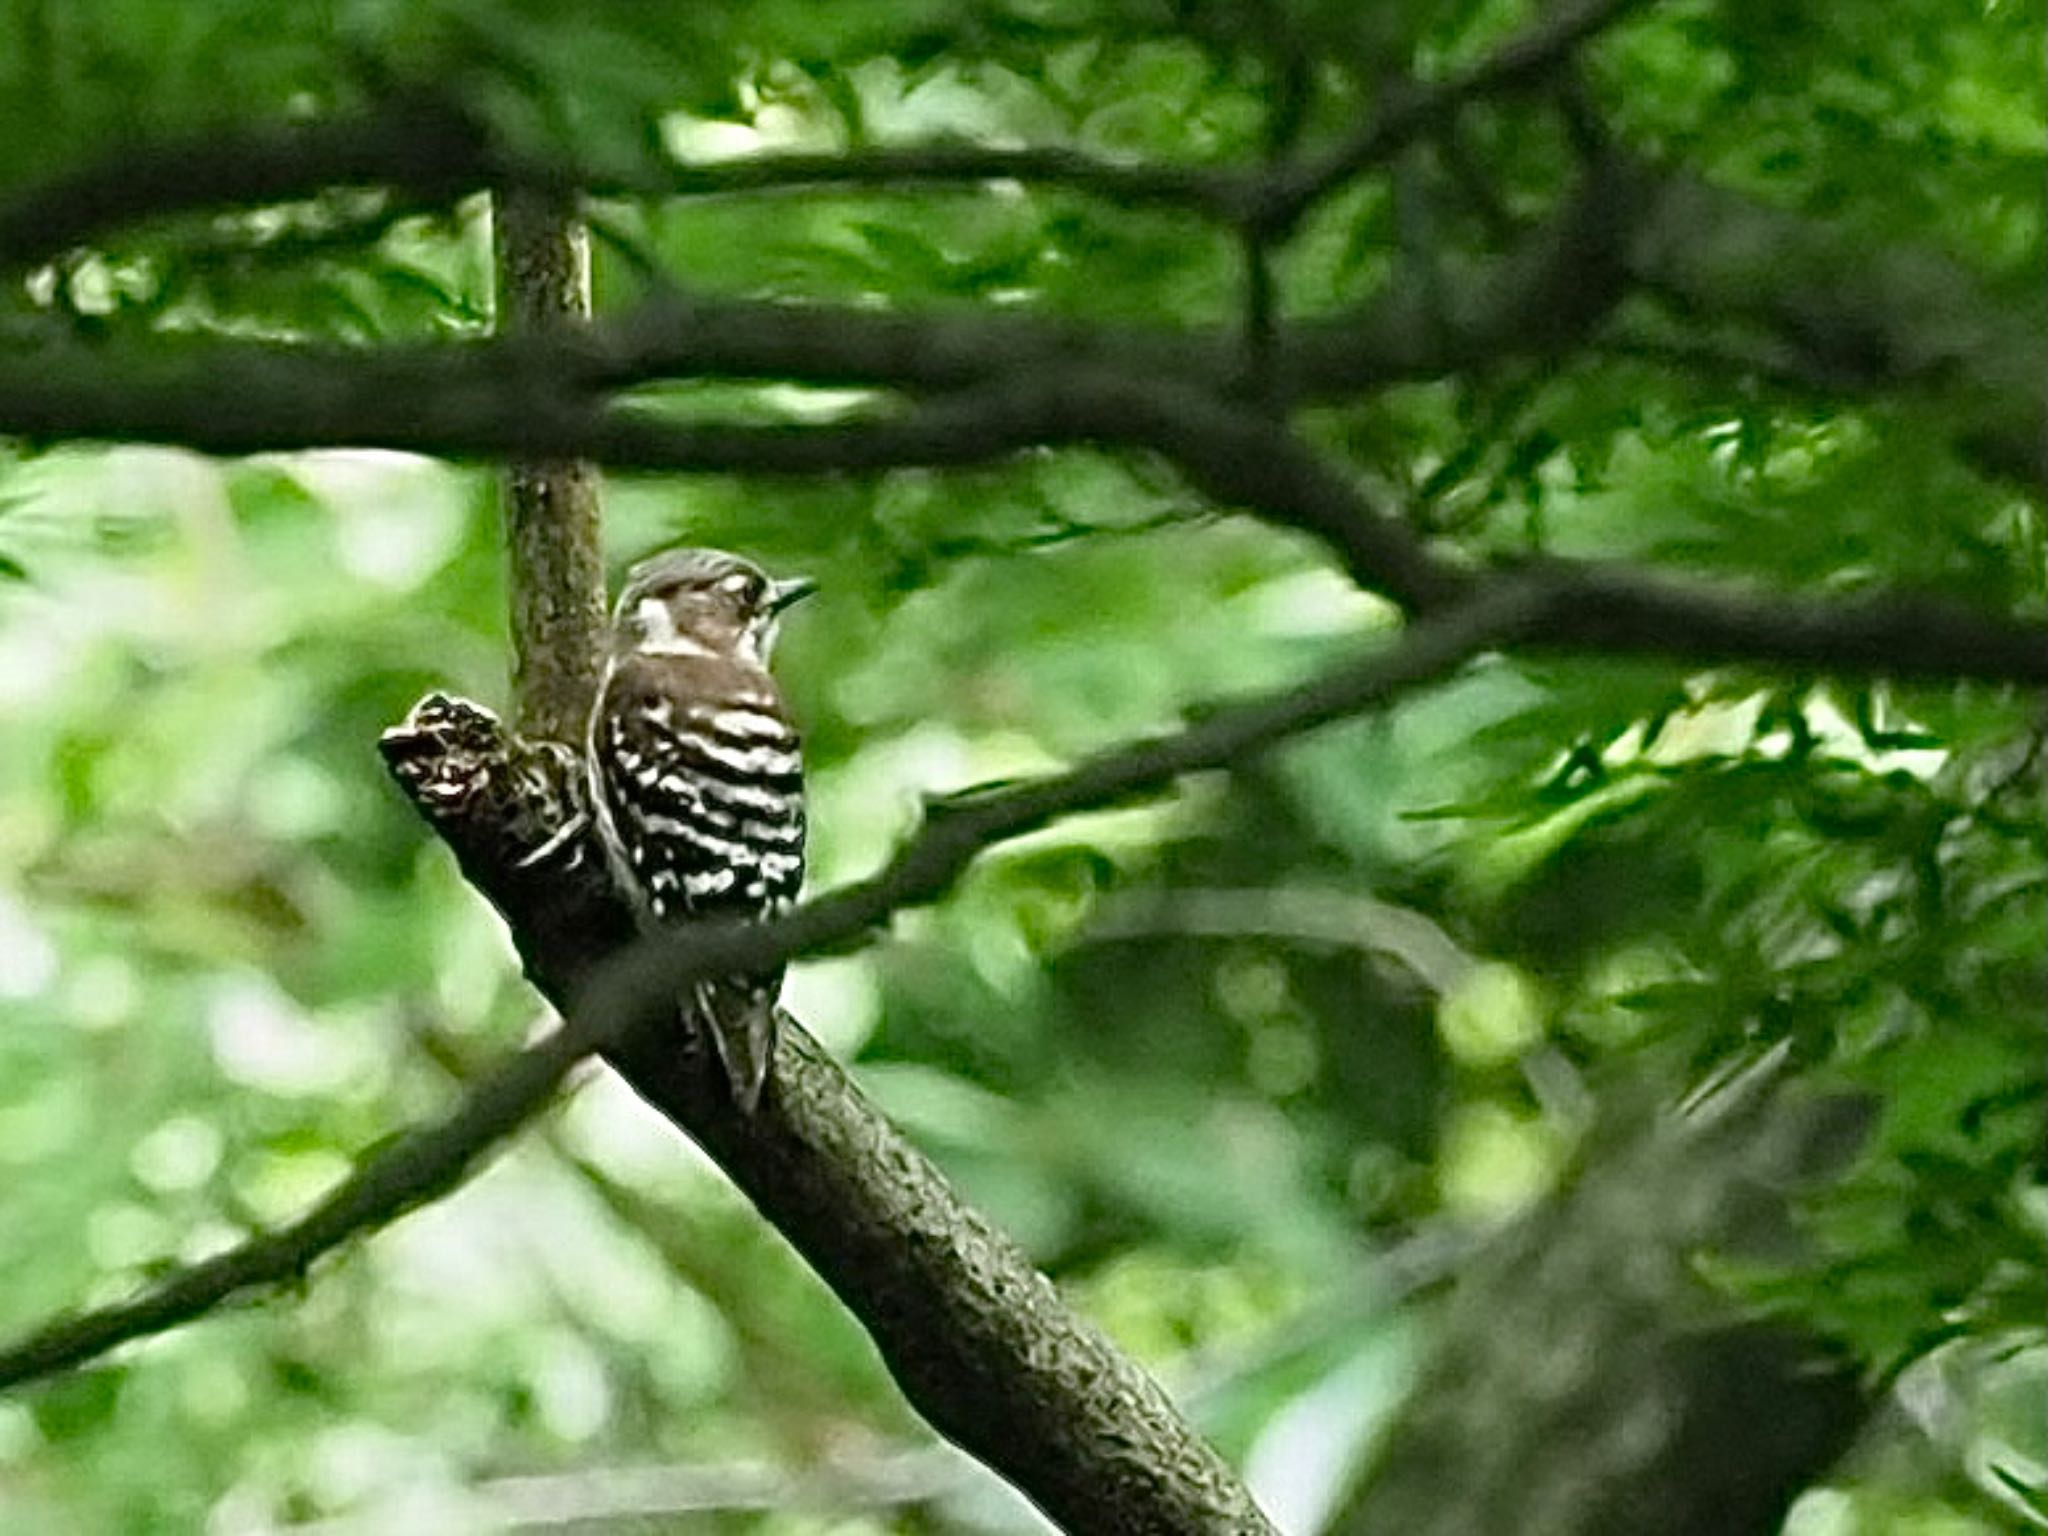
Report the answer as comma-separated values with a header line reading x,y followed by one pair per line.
x,y
1589,1382
554,528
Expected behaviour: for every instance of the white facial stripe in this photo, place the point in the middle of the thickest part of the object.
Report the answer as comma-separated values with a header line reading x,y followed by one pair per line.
x,y
676,645
656,622
658,633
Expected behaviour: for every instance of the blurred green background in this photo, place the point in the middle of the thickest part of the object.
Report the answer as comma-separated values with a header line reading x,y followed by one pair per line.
x,y
1235,1065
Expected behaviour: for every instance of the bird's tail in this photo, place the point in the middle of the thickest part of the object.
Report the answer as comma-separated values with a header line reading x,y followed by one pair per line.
x,y
739,1016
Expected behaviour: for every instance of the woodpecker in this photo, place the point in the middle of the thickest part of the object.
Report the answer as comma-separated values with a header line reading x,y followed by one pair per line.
x,y
696,777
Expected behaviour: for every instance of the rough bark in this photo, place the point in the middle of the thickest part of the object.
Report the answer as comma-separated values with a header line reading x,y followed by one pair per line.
x,y
551,504
1589,1382
978,1339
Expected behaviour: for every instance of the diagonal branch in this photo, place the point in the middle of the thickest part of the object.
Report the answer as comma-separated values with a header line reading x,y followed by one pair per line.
x,y
408,1172
1555,605
863,1205
957,827
978,1338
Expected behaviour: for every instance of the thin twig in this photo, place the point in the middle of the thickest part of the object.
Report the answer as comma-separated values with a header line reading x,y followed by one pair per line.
x,y
1216,191
1411,110
1292,915
408,1172
1291,91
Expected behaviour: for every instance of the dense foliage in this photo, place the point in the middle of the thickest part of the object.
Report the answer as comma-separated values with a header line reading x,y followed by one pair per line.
x,y
1226,1061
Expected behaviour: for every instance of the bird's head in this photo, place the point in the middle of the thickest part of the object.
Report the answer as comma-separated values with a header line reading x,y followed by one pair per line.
x,y
703,602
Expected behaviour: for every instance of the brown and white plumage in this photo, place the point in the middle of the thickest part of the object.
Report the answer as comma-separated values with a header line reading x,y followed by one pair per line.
x,y
696,774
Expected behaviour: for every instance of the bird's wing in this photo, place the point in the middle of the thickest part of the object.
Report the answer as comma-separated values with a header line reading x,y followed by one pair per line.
x,y
700,774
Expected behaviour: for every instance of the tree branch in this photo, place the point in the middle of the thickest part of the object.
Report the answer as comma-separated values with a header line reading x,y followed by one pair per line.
x,y
408,1172
1903,316
1238,459
1508,307
437,153
1588,1380
862,1205
1613,608
1408,110
1865,320
821,1164
977,1338
1857,318
1218,192
426,149
1305,916
434,148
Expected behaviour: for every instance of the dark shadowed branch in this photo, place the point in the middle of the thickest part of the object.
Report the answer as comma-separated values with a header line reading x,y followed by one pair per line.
x,y
1856,321
1217,191
1507,307
1617,609
438,153
433,148
429,151
1410,110
422,1164
1236,458
1589,1381
1851,319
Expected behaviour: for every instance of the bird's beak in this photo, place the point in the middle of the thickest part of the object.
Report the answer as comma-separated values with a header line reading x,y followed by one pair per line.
x,y
787,594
